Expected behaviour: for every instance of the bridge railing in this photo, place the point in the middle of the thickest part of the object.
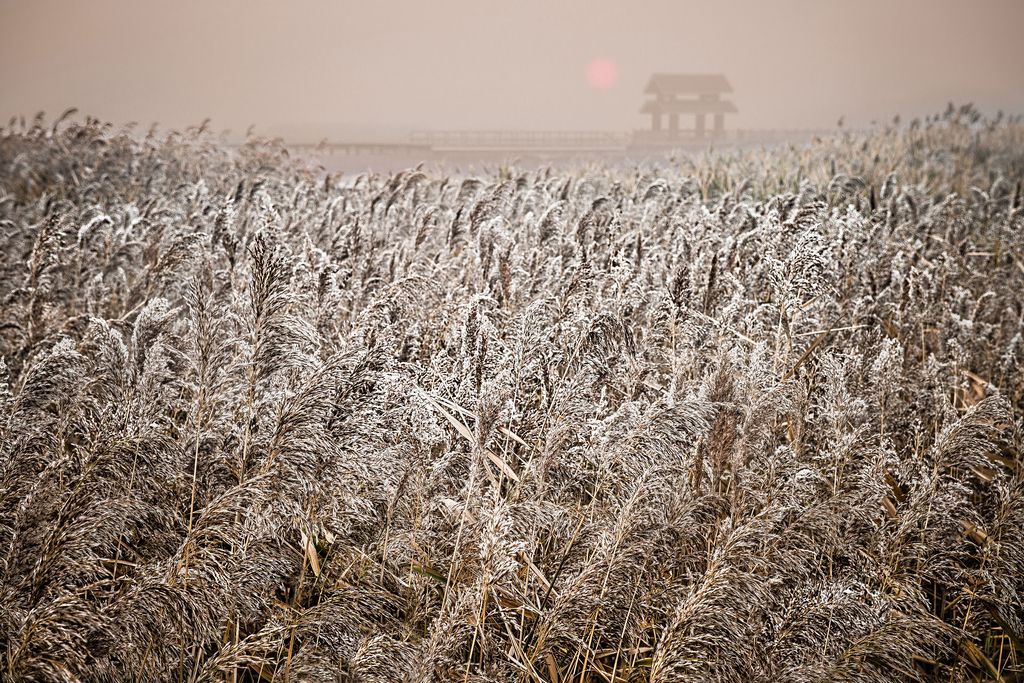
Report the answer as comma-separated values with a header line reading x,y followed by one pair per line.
x,y
424,142
521,138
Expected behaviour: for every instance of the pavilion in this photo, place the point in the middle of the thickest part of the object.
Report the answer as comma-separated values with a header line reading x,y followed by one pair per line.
x,y
696,94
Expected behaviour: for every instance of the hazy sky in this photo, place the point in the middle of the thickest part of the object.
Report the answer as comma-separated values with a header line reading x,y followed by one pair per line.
x,y
314,68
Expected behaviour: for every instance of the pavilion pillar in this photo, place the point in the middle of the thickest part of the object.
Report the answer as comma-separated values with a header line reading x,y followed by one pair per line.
x,y
656,120
673,122
700,125
719,124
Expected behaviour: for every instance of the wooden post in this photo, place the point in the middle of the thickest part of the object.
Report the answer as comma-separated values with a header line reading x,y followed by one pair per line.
x,y
655,120
700,125
719,124
673,122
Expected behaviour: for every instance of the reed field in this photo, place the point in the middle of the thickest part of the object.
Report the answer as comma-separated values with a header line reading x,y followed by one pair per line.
x,y
749,415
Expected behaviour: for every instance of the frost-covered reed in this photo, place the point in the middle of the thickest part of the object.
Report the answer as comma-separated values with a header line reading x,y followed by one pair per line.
x,y
746,417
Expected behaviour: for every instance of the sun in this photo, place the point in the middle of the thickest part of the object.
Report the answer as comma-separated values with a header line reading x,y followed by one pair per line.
x,y
601,73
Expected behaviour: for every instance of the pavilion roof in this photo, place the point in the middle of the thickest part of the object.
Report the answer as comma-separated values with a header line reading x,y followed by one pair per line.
x,y
687,84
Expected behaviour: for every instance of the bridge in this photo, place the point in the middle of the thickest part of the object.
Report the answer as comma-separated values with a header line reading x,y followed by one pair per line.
x,y
434,143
